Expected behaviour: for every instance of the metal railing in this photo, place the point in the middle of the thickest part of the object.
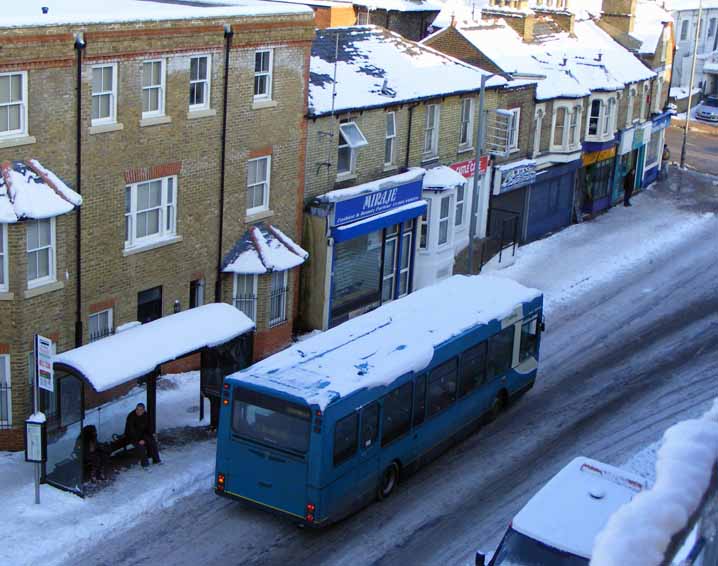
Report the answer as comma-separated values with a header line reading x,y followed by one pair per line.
x,y
247,304
502,233
278,306
104,333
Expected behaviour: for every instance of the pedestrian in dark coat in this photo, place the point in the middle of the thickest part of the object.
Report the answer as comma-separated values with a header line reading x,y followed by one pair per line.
x,y
628,182
96,455
139,434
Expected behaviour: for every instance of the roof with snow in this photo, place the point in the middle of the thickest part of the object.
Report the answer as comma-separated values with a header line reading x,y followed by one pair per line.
x,y
262,249
442,177
61,12
648,25
400,5
572,508
376,67
136,352
380,346
29,191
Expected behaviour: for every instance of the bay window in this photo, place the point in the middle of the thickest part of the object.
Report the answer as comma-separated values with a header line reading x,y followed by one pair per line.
x,y
40,252
559,127
574,139
150,211
278,298
460,200
444,216
602,117
244,294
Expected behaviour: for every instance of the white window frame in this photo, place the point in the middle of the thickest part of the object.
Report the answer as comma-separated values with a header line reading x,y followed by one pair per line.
x,y
265,183
165,232
4,263
711,27
685,30
52,267
467,143
630,106
282,318
431,131
538,126
5,363
460,216
425,226
389,140
207,83
645,89
444,220
112,93
659,94
606,123
22,131
353,146
513,141
563,145
269,74
161,86
97,315
609,118
251,301
574,127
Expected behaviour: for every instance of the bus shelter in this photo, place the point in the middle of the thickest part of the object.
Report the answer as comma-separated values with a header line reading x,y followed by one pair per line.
x,y
220,333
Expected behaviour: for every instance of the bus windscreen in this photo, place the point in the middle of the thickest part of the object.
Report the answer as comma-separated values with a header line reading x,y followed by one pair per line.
x,y
271,421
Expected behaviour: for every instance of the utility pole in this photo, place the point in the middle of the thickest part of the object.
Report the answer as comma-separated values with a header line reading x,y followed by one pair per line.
x,y
690,84
478,151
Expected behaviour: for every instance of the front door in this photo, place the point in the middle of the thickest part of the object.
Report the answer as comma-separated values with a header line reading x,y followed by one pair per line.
x,y
149,305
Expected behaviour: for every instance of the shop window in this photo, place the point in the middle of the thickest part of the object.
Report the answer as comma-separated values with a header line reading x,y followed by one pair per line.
x,y
460,200
501,351
263,74
654,149
356,281
608,121
4,275
442,386
419,400
149,305
40,252
529,339
244,294
258,175
104,94
444,218
431,131
351,138
199,71
598,179
153,88
196,293
99,325
150,212
5,392
397,413
473,368
369,425
278,298
13,104
345,438
467,123
390,139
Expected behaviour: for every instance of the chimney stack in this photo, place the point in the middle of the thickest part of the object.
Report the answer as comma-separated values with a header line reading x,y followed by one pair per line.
x,y
621,14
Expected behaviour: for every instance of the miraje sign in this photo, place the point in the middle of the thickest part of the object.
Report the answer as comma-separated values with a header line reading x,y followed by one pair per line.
x,y
371,204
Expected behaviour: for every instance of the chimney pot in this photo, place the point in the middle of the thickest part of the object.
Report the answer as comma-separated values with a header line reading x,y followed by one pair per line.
x,y
45,9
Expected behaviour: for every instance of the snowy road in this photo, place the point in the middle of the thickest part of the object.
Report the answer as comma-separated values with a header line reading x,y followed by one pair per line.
x,y
621,361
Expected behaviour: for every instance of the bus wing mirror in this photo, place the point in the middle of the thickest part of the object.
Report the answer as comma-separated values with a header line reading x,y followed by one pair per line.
x,y
480,559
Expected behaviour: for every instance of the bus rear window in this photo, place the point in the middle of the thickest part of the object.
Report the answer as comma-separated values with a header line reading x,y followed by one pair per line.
x,y
271,421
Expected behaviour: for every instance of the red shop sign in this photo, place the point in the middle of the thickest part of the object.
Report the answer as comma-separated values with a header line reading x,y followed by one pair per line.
x,y
467,168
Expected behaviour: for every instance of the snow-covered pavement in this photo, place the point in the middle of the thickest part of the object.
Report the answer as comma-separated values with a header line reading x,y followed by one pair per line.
x,y
632,305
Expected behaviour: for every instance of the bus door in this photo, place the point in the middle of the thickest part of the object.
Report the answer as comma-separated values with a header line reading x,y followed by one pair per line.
x,y
369,448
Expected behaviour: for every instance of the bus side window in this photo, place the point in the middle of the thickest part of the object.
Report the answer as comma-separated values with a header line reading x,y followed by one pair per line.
x,y
397,413
369,424
419,400
473,368
442,386
501,351
345,438
529,339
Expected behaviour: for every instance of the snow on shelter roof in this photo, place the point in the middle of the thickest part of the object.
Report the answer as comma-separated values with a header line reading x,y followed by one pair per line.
x,y
376,67
573,507
382,345
262,249
28,190
134,353
63,12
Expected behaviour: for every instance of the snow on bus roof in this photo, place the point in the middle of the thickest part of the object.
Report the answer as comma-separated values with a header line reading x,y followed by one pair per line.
x,y
382,345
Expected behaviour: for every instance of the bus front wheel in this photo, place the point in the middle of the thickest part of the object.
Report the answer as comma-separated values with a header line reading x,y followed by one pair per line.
x,y
388,481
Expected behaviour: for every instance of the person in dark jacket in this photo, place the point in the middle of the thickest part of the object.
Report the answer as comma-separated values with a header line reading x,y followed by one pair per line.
x,y
95,454
139,434
664,161
628,182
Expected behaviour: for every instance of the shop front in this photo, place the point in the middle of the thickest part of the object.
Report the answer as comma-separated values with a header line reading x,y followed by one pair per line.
x,y
631,155
654,148
365,243
596,179
551,199
509,201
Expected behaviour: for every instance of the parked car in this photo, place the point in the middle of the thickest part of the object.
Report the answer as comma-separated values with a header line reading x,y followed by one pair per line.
x,y
708,109
558,525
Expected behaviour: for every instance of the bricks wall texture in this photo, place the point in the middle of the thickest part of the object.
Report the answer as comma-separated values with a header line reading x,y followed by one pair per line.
x,y
190,147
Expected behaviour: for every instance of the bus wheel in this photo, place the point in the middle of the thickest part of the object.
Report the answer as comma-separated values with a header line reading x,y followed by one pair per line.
x,y
498,405
389,479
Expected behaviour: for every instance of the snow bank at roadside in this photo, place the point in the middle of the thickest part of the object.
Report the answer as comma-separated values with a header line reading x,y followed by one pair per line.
x,y
640,531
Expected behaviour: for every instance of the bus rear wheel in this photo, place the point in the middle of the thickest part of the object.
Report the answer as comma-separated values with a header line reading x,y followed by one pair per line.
x,y
388,481
498,405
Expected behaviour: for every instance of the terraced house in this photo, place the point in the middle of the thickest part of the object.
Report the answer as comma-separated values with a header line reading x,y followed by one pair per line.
x,y
151,158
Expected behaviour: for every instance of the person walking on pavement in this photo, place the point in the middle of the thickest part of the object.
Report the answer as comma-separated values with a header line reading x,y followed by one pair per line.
x,y
664,161
628,182
139,434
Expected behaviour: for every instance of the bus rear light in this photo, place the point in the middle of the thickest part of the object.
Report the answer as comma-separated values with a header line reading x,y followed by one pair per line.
x,y
225,401
310,518
310,507
226,386
220,481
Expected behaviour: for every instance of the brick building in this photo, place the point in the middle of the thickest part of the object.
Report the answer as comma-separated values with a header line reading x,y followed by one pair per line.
x,y
126,104
410,18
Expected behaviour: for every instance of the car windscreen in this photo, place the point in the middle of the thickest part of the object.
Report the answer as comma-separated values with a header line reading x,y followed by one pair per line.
x,y
519,550
270,420
711,102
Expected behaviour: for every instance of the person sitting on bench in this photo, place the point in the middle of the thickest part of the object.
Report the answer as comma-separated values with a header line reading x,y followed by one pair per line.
x,y
139,434
95,454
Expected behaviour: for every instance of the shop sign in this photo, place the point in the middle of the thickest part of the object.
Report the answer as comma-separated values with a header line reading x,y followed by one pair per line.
x,y
596,156
662,122
641,135
370,204
43,360
626,141
467,168
515,177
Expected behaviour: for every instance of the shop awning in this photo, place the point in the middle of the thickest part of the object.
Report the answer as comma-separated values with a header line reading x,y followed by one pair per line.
x,y
379,221
136,352
262,249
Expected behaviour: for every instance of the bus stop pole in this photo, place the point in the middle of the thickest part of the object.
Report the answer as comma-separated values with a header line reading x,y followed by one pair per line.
x,y
35,409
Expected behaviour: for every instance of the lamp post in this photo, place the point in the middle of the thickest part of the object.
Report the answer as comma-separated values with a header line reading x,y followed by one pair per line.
x,y
690,84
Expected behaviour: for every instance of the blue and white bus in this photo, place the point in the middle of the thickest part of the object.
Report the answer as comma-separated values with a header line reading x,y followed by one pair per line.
x,y
331,423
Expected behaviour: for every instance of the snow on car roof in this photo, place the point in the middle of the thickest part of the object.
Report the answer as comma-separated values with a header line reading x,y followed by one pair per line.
x,y
63,12
384,344
574,506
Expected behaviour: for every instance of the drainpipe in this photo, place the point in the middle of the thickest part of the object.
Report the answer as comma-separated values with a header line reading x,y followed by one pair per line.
x,y
408,137
228,34
79,46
